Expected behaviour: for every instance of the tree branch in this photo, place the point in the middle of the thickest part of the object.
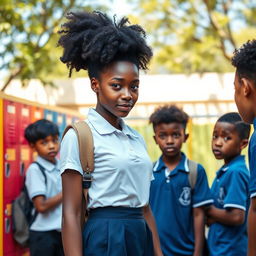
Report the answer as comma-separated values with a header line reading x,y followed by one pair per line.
x,y
12,76
221,33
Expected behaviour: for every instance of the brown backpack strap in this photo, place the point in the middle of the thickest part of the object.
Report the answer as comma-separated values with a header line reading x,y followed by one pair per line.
x,y
86,156
85,144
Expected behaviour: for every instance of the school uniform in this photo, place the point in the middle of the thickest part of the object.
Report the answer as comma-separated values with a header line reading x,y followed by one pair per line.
x,y
252,161
45,235
120,188
172,203
230,189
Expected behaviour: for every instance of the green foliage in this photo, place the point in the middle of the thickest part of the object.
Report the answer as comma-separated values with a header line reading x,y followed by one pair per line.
x,y
195,35
28,35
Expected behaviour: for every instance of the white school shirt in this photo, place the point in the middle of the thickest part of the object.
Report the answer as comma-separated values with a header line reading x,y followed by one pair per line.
x,y
35,183
123,169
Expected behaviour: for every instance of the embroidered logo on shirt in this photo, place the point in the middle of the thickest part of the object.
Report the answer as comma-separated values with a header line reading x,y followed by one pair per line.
x,y
221,196
185,196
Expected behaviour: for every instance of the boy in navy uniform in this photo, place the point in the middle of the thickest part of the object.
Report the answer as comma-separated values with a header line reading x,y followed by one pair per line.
x,y
44,189
244,60
178,209
230,189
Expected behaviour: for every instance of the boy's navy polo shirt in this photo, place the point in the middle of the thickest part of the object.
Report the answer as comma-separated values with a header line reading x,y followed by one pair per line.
x,y
252,161
230,189
172,205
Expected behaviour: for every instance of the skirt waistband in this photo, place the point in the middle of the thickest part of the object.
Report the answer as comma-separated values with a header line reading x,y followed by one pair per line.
x,y
116,213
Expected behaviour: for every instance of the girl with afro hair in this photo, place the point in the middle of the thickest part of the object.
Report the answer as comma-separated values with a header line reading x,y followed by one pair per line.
x,y
120,221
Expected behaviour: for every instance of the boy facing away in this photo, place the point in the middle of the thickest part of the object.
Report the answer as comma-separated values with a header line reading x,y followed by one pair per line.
x,y
178,209
44,189
244,60
230,189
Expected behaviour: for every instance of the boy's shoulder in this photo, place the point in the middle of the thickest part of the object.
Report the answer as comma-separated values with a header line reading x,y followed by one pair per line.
x,y
238,165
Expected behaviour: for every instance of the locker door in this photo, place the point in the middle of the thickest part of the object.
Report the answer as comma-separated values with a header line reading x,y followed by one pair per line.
x,y
11,175
50,115
61,122
36,114
25,152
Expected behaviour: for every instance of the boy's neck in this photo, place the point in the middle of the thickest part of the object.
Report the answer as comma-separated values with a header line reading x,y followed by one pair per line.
x,y
172,162
53,161
228,160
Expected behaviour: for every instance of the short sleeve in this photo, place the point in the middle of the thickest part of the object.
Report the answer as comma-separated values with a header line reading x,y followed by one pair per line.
x,y
35,182
237,192
252,165
69,153
201,194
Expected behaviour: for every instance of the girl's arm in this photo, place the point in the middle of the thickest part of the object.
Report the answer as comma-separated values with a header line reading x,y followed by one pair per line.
x,y
232,216
251,226
71,220
152,226
198,215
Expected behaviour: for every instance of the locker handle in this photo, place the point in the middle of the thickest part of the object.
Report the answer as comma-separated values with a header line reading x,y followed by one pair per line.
x,y
7,170
22,169
7,225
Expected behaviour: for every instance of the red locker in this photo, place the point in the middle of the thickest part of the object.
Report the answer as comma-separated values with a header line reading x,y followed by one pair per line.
x,y
11,177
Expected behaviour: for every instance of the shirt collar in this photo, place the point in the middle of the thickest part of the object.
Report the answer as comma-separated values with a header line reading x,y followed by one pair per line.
x,y
46,164
225,167
182,166
102,126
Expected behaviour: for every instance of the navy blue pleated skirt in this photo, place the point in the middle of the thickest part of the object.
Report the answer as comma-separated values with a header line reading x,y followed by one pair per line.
x,y
117,231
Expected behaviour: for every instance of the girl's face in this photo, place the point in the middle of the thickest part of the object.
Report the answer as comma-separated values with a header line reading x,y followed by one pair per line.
x,y
117,90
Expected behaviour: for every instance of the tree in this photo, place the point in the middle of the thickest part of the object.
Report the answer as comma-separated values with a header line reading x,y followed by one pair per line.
x,y
196,35
28,35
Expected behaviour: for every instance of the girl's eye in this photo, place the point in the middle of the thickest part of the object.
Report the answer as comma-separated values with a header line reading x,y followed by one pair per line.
x,y
116,86
214,137
135,87
176,135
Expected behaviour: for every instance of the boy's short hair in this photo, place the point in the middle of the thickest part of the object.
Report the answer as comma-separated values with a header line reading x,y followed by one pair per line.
x,y
241,127
244,60
40,130
168,114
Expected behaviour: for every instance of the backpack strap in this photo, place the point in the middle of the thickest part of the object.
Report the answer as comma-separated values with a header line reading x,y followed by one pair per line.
x,y
42,169
86,156
192,176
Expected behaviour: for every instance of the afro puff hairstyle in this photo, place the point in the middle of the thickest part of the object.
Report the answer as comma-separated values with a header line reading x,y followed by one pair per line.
x,y
235,119
168,114
244,60
93,40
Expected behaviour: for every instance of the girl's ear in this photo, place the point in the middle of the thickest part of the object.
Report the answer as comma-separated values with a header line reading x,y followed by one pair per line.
x,y
95,84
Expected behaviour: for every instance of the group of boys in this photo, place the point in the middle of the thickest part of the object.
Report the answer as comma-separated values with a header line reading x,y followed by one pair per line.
x,y
181,207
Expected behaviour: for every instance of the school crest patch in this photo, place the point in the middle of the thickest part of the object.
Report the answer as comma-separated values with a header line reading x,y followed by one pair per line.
x,y
185,196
